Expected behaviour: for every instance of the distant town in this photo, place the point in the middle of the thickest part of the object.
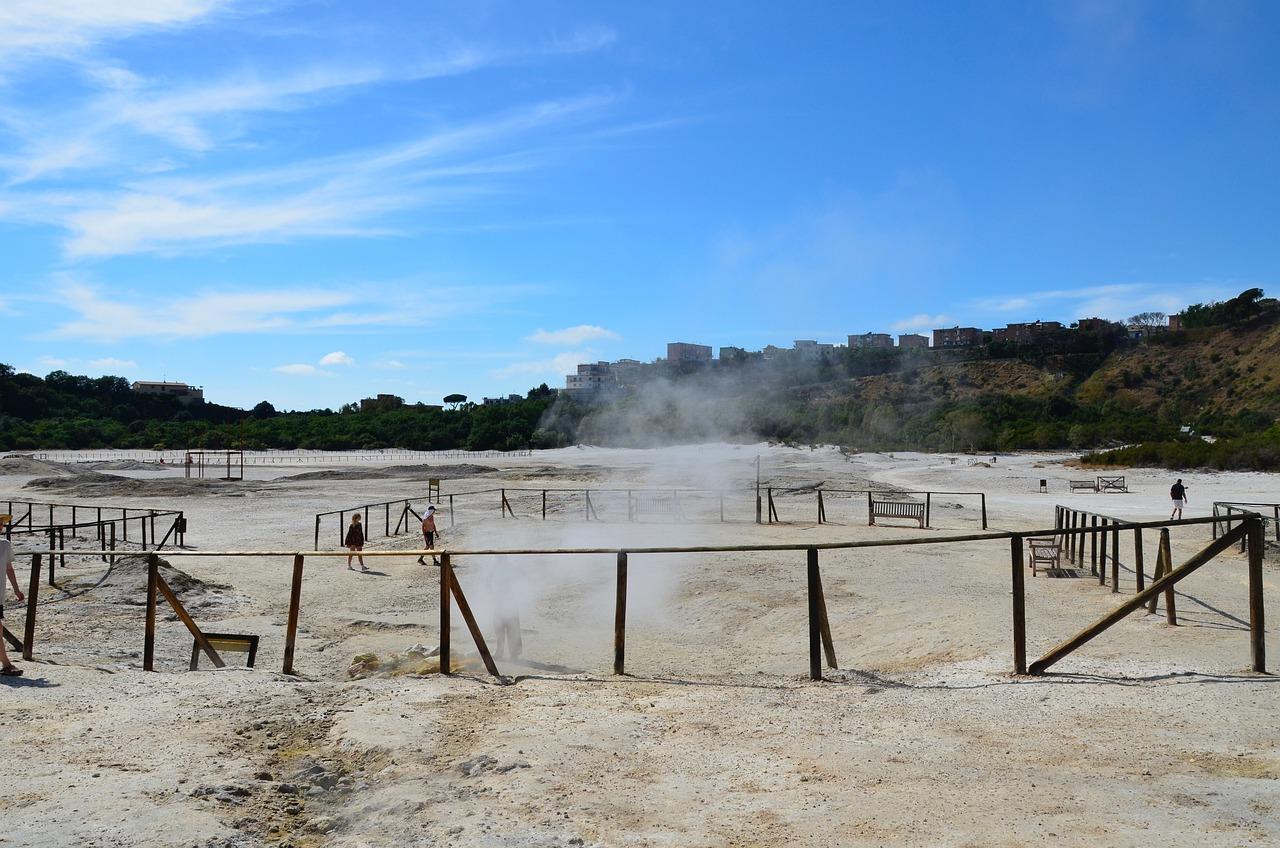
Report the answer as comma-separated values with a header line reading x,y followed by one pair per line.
x,y
597,377
592,378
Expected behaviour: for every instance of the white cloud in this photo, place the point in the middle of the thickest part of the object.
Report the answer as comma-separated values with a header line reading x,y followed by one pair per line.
x,y
557,366
112,362
390,364
336,358
346,195
573,335
1115,301
113,318
63,27
302,369
917,323
53,362
121,315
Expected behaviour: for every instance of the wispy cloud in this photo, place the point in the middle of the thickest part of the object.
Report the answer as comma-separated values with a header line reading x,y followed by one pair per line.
x,y
922,321
343,195
122,315
555,367
112,362
573,335
302,370
336,358
1115,301
66,27
103,318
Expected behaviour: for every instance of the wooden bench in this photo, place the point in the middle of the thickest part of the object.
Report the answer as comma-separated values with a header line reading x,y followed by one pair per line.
x,y
236,643
1046,553
1112,484
654,504
910,510
1090,485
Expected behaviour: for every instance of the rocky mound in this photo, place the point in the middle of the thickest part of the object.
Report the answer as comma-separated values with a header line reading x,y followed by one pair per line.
x,y
24,464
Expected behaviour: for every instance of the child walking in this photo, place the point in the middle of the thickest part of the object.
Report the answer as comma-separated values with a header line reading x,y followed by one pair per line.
x,y
355,541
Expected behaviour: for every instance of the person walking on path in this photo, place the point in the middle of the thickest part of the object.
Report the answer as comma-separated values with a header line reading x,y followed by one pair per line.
x,y
429,534
7,669
1178,493
355,540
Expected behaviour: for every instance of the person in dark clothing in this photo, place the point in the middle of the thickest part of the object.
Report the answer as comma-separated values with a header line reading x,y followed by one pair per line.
x,y
355,541
1178,493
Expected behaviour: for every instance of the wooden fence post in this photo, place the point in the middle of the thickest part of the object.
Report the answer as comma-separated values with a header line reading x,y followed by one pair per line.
x,y
1019,607
33,592
1138,565
984,510
815,629
451,510
1257,623
928,504
1093,544
620,617
544,504
149,636
1115,558
295,604
1170,608
446,578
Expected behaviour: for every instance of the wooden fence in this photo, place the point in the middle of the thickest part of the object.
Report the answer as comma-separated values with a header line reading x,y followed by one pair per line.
x,y
618,505
1231,511
819,632
109,526
269,458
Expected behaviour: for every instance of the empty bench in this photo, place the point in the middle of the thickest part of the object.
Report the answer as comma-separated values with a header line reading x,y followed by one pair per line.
x,y
909,510
235,643
1086,485
1112,484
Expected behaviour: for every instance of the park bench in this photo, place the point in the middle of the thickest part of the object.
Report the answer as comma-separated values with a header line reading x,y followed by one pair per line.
x,y
1089,485
236,643
659,504
1046,553
910,510
1112,484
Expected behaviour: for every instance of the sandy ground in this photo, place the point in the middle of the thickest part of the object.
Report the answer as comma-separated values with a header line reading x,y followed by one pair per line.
x,y
715,737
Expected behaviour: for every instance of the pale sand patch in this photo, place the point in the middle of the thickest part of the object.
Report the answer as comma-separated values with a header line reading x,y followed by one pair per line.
x,y
1150,734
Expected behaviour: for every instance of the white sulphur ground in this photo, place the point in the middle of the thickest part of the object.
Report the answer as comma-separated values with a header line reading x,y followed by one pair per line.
x,y
716,737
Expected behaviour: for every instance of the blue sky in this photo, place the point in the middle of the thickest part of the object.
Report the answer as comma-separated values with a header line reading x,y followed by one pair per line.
x,y
310,202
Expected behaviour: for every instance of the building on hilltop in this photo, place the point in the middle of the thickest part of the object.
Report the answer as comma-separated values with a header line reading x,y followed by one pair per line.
x,y
809,350
498,401
185,394
685,352
381,402
1093,325
591,377
868,341
1026,333
627,372
957,337
913,341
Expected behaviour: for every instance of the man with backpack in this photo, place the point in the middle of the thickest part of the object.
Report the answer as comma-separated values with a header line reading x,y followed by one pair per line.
x,y
429,534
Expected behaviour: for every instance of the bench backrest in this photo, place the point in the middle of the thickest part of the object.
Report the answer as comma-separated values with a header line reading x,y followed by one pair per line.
x,y
897,509
655,504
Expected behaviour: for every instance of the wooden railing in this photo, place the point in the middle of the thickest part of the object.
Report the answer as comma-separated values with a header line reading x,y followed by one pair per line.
x,y
819,630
